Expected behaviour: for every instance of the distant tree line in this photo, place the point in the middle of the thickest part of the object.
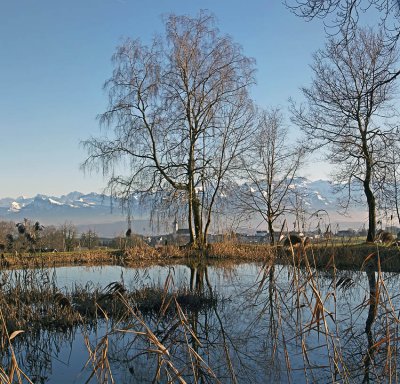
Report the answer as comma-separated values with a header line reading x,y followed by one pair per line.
x,y
31,236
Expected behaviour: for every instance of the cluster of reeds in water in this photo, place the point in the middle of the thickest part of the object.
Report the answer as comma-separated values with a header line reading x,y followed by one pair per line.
x,y
357,343
359,339
32,301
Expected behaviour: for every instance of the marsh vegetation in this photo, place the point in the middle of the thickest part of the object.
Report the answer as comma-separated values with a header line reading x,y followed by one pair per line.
x,y
283,319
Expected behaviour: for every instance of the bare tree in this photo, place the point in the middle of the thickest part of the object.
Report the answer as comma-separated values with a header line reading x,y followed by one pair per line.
x,y
348,111
89,239
271,168
345,15
394,182
7,230
69,237
390,196
180,115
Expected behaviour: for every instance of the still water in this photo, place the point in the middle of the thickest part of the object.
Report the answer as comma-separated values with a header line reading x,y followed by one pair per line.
x,y
268,324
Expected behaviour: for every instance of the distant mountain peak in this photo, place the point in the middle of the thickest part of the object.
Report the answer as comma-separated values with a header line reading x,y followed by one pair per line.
x,y
99,209
15,207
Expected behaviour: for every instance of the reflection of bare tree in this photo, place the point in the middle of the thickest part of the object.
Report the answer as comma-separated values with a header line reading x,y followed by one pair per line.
x,y
36,352
269,323
205,345
272,311
380,355
199,274
372,311
304,310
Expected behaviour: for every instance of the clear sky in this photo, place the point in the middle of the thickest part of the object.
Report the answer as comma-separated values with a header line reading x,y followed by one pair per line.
x,y
55,57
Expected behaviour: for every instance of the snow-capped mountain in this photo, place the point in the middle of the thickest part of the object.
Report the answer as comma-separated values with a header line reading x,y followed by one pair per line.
x,y
320,195
75,207
98,209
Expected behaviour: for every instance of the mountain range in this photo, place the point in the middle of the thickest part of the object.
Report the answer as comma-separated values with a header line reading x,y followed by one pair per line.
x,y
103,214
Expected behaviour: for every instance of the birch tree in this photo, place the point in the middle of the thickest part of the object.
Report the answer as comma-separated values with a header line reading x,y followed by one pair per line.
x,y
179,117
271,168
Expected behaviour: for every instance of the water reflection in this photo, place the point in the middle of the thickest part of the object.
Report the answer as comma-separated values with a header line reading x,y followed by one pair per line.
x,y
372,311
265,323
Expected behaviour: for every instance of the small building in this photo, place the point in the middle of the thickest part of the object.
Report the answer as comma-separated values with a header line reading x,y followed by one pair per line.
x,y
183,231
180,236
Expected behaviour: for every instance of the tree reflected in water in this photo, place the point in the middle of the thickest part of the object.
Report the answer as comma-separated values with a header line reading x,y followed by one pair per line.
x,y
229,323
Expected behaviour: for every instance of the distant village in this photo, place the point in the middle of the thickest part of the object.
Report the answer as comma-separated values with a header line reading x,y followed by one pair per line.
x,y
181,236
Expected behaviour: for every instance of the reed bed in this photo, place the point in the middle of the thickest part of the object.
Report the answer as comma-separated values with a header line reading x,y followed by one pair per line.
x,y
347,255
32,300
341,256
303,320
138,253
309,310
240,251
33,303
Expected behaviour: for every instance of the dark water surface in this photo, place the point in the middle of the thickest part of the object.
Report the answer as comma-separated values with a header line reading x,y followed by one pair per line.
x,y
269,324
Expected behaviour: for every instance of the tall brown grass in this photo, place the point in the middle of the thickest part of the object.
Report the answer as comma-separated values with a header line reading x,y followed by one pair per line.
x,y
303,314
12,374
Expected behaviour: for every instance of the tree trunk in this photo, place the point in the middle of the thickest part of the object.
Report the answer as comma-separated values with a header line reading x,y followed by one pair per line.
x,y
192,192
371,210
396,201
190,221
271,232
199,241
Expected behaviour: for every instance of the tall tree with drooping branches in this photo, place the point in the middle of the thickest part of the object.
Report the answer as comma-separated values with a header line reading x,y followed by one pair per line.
x,y
179,117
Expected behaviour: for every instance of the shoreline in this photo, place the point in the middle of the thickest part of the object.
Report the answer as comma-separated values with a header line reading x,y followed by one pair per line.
x,y
323,255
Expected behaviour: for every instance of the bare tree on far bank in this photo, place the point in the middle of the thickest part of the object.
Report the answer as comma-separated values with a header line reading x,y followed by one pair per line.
x,y
179,117
348,110
271,168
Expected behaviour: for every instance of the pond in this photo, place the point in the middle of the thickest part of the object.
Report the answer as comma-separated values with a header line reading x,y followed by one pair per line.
x,y
247,323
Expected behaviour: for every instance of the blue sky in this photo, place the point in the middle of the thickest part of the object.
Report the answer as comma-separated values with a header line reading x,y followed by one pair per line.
x,y
56,55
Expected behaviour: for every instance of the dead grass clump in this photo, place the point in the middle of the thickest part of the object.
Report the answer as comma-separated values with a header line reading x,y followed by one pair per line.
x,y
12,374
112,302
145,252
234,250
174,352
152,299
38,312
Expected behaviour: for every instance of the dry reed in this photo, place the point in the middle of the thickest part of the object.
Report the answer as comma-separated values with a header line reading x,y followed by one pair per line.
x,y
304,314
